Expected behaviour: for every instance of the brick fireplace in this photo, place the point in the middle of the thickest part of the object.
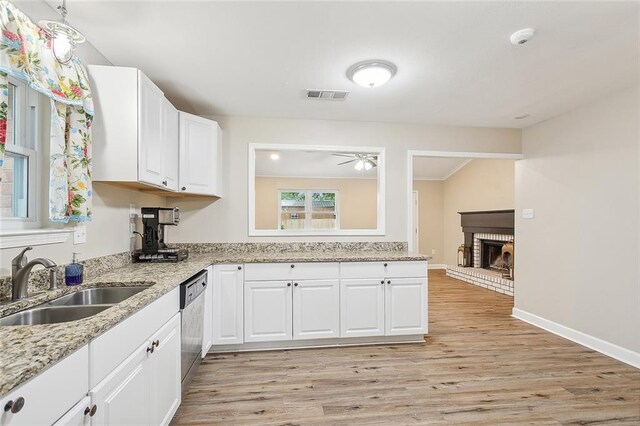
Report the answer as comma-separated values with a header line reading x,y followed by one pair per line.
x,y
487,257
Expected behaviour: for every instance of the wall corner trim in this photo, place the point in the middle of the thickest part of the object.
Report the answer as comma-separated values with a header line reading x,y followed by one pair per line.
x,y
610,349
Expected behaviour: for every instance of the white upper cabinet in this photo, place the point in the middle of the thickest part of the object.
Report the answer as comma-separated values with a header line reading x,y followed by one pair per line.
x,y
199,155
140,139
170,149
150,132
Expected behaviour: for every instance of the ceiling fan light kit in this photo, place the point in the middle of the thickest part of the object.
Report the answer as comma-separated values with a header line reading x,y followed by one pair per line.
x,y
362,161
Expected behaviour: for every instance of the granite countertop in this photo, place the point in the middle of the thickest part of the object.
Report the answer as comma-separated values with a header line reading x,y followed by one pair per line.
x,y
30,349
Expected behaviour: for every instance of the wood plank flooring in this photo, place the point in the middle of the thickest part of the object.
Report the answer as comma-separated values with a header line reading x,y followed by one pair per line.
x,y
477,366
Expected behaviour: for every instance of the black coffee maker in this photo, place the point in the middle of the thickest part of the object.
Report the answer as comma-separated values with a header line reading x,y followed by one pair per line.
x,y
154,249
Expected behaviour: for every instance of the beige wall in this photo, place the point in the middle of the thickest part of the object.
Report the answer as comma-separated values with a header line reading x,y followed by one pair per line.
x,y
578,258
480,185
430,220
357,199
226,219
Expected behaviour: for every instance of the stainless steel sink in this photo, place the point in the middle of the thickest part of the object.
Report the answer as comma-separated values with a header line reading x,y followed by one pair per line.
x,y
98,296
52,314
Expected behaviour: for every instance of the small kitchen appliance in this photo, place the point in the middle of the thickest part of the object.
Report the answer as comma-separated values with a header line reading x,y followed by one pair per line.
x,y
154,249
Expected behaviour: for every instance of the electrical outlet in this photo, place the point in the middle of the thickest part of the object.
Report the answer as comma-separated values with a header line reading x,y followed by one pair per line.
x,y
79,234
527,213
133,211
433,251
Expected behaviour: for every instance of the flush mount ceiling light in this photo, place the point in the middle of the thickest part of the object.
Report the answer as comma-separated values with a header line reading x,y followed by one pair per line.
x,y
522,36
64,37
275,156
371,73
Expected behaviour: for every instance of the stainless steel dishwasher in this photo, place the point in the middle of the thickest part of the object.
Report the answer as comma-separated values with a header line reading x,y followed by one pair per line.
x,y
192,324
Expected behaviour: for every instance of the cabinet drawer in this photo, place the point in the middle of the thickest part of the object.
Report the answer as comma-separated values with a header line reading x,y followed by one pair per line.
x,y
51,394
109,350
358,270
291,271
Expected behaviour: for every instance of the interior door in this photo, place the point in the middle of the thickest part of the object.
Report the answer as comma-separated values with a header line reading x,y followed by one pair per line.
x,y
227,313
123,398
165,372
316,309
361,307
406,306
267,313
150,139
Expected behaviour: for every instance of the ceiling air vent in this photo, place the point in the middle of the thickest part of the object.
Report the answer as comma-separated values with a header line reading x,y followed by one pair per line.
x,y
328,95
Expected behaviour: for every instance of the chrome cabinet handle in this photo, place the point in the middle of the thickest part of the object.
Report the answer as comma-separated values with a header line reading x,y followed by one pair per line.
x,y
14,406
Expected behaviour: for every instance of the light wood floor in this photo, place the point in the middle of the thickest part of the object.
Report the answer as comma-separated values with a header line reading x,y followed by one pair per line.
x,y
477,366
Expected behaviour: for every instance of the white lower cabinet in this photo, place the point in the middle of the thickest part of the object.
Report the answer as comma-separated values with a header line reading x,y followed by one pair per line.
x,y
405,306
47,397
227,304
385,306
145,388
79,415
362,307
267,311
291,310
316,309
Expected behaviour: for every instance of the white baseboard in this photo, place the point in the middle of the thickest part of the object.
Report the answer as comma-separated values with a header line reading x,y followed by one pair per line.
x,y
437,266
614,351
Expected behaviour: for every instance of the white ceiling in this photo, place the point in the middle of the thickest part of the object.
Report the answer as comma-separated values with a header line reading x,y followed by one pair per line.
x,y
455,63
312,164
437,168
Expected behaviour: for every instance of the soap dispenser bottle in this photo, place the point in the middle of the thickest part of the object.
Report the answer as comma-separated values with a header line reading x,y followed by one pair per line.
x,y
74,272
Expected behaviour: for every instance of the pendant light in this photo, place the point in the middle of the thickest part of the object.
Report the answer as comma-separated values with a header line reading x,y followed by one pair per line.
x,y
63,36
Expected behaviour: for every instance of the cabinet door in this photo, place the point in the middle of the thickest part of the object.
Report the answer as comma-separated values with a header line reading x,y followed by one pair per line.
x,y
207,329
49,395
406,306
165,375
79,415
228,305
267,311
150,140
361,307
123,397
171,142
316,309
199,155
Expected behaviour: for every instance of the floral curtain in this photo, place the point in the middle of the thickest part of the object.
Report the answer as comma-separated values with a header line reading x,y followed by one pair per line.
x,y
25,54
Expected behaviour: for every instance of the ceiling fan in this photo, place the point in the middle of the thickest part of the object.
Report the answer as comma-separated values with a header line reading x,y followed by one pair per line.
x,y
362,161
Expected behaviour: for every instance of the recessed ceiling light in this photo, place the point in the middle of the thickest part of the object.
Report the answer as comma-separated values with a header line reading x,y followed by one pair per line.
x,y
371,73
523,116
522,36
275,156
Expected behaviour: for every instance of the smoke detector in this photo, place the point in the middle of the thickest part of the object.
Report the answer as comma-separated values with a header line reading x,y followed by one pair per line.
x,y
522,36
327,95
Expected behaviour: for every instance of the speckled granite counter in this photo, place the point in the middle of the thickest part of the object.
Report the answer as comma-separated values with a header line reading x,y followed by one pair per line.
x,y
28,350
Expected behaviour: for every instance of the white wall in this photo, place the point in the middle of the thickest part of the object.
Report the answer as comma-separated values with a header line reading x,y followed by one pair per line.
x,y
226,219
109,229
578,259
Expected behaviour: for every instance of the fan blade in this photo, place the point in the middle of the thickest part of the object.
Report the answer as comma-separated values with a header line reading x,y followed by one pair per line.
x,y
346,162
373,163
343,155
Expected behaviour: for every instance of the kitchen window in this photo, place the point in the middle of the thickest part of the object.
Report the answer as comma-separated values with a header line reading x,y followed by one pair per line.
x,y
312,210
20,172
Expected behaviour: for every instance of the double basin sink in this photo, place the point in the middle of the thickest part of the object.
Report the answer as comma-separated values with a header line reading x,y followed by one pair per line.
x,y
73,306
